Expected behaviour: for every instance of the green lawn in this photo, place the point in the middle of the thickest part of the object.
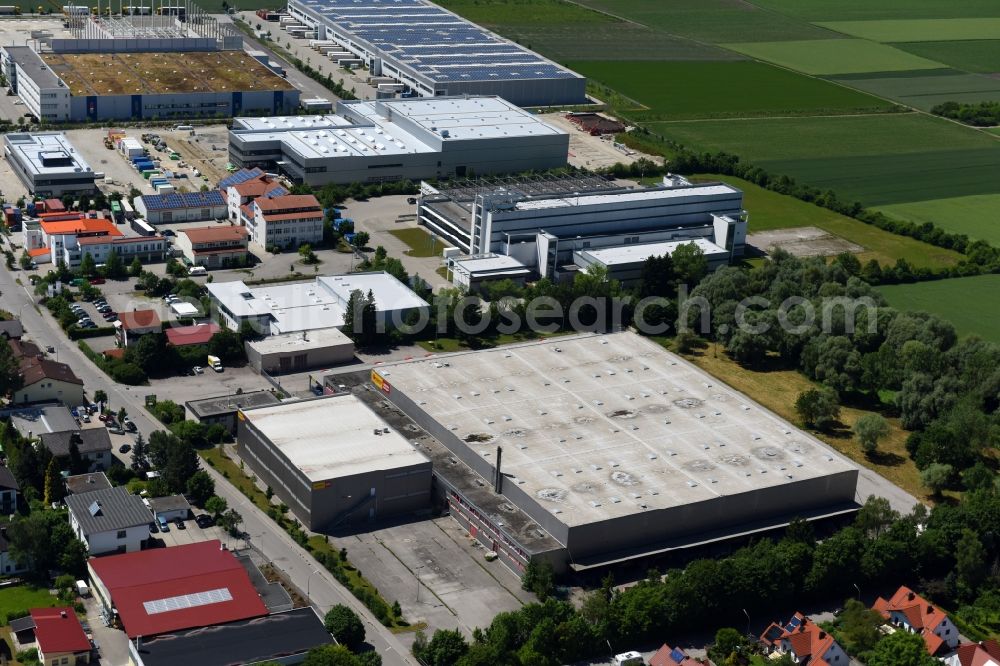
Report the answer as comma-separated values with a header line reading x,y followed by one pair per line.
x,y
421,243
843,10
981,55
525,12
919,30
834,56
965,302
752,89
975,216
925,88
712,21
878,160
770,210
24,597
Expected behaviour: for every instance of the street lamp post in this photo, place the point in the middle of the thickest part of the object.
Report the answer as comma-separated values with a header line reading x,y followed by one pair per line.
x,y
308,581
748,620
858,589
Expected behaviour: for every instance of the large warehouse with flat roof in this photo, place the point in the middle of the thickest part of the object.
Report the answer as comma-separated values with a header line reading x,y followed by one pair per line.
x,y
613,447
333,461
89,87
387,140
436,52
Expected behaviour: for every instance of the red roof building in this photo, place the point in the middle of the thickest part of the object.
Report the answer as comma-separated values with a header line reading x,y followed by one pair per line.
x,y
986,653
59,634
289,220
185,336
131,325
805,641
170,589
908,610
668,656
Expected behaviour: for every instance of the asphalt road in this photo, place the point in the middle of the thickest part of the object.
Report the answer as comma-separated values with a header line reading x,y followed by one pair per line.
x,y
300,567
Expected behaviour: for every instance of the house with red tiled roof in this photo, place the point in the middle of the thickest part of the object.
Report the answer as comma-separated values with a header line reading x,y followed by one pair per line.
x,y
292,219
668,656
986,653
805,642
214,246
133,325
240,194
196,334
58,634
908,610
48,381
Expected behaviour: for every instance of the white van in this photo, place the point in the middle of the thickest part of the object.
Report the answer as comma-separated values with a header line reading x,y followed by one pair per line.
x,y
184,127
630,658
197,270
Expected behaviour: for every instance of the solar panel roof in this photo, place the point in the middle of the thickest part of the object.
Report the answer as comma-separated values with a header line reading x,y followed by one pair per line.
x,y
187,200
418,34
241,176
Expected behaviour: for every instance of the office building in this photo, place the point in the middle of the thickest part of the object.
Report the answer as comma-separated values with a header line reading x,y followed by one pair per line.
x,y
213,247
173,207
48,164
287,221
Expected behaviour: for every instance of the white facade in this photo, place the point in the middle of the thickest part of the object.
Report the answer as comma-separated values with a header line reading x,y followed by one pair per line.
x,y
198,207
44,94
128,540
945,630
49,165
285,221
390,140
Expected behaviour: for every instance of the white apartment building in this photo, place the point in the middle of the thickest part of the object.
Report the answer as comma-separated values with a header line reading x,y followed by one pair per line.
x,y
292,219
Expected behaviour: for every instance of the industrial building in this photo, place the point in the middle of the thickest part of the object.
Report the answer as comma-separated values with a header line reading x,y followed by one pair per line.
x,y
387,140
309,306
333,461
555,227
48,164
607,447
297,352
223,409
173,207
163,590
104,85
435,52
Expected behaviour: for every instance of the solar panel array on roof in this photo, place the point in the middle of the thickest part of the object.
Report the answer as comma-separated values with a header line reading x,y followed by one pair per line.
x,y
188,200
416,33
241,176
677,655
193,600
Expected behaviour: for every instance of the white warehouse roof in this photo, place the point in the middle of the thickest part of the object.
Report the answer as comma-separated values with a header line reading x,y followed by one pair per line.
x,y
650,194
630,254
333,437
48,153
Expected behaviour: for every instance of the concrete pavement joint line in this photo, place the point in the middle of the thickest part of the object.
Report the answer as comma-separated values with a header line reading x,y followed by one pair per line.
x,y
480,564
419,582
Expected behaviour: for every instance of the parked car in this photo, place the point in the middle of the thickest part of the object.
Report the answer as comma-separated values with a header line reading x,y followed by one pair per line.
x,y
124,448
180,524
85,417
50,349
164,525
204,520
197,370
153,528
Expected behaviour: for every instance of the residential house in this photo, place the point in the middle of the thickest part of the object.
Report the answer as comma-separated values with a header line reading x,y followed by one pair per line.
x,y
289,220
79,484
48,381
109,521
9,489
213,247
8,565
908,610
805,642
668,656
133,325
93,445
11,329
60,637
986,653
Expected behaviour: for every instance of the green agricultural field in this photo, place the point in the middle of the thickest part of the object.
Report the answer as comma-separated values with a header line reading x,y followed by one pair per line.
x,y
919,30
845,10
981,55
974,216
770,210
554,28
878,160
834,56
712,21
926,88
960,300
678,90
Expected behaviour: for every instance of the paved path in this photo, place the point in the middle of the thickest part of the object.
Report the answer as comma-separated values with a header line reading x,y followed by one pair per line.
x,y
300,567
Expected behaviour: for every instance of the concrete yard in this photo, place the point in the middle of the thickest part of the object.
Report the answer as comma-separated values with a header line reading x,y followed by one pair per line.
x,y
591,152
802,242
